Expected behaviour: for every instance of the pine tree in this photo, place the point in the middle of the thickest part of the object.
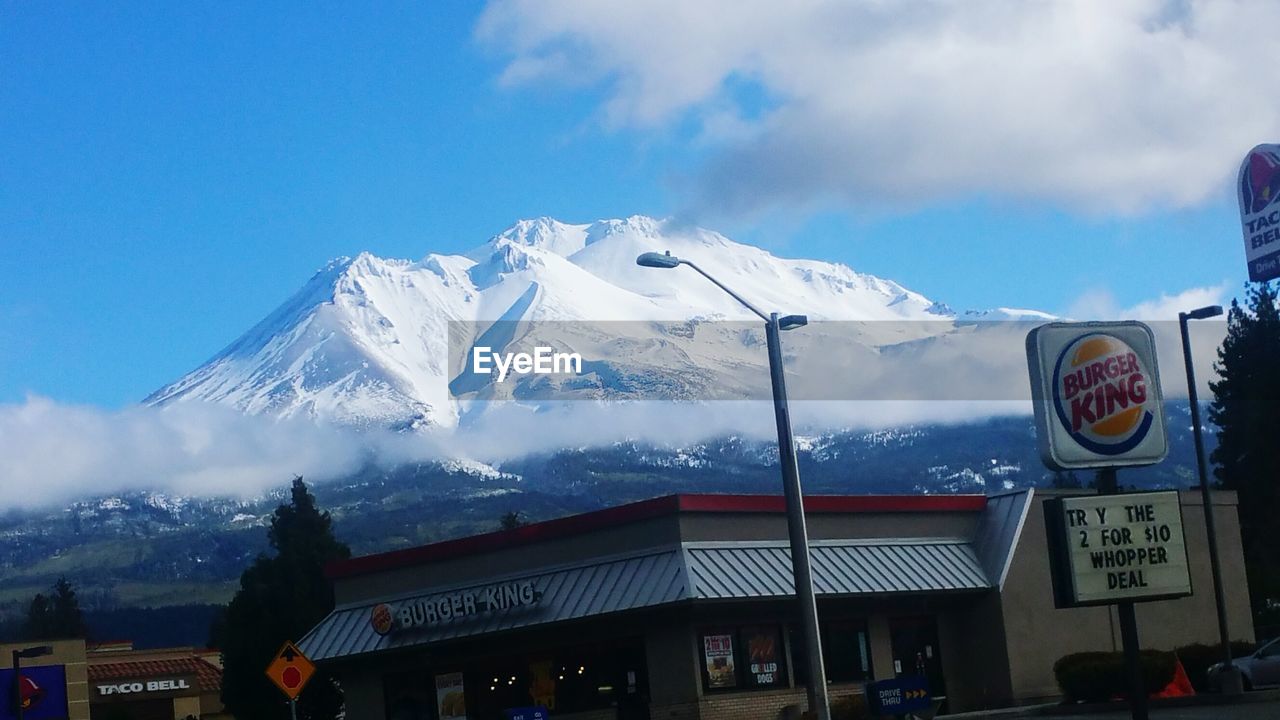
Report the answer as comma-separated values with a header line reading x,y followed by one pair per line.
x,y
1246,409
56,616
511,521
1065,480
280,598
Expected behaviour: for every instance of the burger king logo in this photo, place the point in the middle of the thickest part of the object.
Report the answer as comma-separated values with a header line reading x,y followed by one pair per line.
x,y
1101,394
382,619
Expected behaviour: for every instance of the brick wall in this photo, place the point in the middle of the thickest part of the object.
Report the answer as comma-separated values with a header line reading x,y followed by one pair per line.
x,y
674,711
757,705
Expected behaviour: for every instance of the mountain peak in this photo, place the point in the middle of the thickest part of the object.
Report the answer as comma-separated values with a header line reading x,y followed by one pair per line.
x,y
638,224
544,233
366,340
565,239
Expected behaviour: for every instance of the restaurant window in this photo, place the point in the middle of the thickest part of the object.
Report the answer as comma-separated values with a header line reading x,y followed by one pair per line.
x,y
407,697
743,657
567,680
846,652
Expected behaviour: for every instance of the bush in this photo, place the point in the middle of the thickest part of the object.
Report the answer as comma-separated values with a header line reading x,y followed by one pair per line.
x,y
1197,658
1101,676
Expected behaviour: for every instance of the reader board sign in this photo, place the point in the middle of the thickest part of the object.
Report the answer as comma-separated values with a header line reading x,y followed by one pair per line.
x,y
1106,549
899,696
1096,392
1258,188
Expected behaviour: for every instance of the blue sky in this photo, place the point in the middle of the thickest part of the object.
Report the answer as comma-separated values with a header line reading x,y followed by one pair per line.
x,y
170,173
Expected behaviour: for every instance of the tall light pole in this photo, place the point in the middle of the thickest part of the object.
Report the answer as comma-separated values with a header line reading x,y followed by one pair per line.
x,y
799,535
1229,679
31,652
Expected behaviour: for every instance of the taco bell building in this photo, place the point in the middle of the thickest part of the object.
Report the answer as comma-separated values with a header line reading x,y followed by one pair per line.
x,y
682,608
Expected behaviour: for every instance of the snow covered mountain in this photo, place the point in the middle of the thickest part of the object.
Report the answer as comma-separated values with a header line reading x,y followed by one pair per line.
x,y
366,342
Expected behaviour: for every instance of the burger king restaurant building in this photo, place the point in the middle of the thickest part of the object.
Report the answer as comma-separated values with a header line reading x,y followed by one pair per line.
x,y
682,607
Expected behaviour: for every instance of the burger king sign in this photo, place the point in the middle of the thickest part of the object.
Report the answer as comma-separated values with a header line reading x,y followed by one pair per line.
x,y
1097,396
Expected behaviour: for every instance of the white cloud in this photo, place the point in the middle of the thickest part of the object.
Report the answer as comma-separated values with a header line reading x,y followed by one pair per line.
x,y
1101,304
1161,314
51,452
1102,106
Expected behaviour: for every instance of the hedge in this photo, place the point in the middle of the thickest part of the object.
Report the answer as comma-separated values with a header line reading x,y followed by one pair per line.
x,y
1197,658
1101,676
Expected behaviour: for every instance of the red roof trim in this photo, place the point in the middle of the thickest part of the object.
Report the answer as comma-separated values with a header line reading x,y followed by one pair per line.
x,y
644,510
208,676
474,544
834,503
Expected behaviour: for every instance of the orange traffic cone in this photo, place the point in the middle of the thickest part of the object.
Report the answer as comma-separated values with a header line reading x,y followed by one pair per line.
x,y
1180,685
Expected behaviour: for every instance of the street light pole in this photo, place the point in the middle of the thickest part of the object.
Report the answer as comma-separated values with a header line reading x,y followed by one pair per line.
x,y
1230,680
17,683
796,530
31,652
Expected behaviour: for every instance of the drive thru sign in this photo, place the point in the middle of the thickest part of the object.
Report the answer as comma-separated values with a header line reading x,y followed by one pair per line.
x,y
290,670
899,696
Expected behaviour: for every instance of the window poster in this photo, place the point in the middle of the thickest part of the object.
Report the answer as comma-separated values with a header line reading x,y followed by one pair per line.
x,y
718,652
542,686
764,656
450,698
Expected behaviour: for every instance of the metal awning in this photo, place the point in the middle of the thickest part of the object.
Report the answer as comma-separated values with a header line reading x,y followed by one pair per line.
x,y
720,571
690,572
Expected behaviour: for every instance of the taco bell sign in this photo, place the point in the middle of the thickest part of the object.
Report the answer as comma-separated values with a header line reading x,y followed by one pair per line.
x,y
1259,190
1096,389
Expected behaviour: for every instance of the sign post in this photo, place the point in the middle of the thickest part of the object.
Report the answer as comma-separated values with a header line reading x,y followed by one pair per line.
x,y
290,671
1096,392
1114,549
1139,708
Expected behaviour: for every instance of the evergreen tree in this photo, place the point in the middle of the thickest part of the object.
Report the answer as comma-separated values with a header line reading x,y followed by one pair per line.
x,y
1246,409
511,521
1065,480
280,598
56,616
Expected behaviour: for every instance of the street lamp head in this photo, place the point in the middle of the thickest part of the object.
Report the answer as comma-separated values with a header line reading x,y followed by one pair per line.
x,y
791,322
1204,312
37,651
658,260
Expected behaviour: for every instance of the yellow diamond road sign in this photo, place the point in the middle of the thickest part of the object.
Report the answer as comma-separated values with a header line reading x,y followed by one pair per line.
x,y
291,670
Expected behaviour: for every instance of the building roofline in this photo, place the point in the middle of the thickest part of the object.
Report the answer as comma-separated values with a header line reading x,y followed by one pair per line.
x,y
644,510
